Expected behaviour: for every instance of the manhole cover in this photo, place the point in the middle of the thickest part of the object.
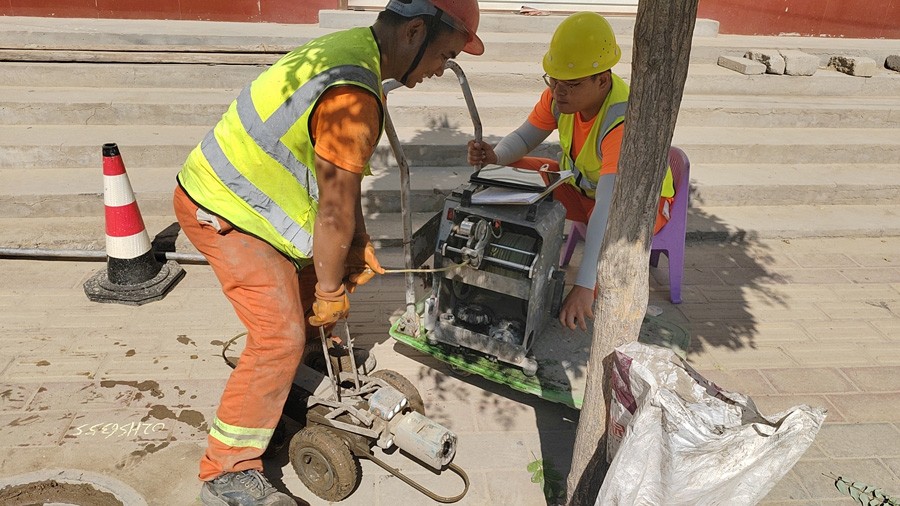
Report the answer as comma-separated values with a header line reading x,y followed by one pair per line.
x,y
66,487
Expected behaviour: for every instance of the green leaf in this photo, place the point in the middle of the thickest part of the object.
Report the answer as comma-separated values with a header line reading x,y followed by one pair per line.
x,y
534,466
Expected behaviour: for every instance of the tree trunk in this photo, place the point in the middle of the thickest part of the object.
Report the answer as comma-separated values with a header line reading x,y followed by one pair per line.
x,y
662,46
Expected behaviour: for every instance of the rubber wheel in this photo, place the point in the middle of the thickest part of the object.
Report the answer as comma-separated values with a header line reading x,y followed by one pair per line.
x,y
398,381
324,463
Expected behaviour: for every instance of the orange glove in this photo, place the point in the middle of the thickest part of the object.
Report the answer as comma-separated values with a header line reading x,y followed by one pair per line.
x,y
329,307
361,262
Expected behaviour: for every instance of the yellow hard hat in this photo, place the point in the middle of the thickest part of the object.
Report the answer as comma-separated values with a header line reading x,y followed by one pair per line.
x,y
582,45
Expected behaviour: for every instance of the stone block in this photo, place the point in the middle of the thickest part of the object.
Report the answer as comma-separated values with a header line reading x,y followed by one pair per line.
x,y
773,61
742,65
893,62
798,63
858,66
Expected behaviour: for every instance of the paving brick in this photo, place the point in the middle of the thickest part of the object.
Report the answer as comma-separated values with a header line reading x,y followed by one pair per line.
x,y
692,276
820,260
813,276
855,310
746,381
865,292
808,380
800,311
829,354
196,393
150,365
811,474
862,275
859,440
752,358
798,63
788,488
715,311
33,429
76,366
879,260
742,65
842,331
858,66
773,61
866,407
894,466
874,379
84,396
113,426
884,353
890,328
748,276
14,397
511,487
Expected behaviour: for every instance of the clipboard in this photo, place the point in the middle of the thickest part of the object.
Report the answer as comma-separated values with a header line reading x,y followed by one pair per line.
x,y
505,185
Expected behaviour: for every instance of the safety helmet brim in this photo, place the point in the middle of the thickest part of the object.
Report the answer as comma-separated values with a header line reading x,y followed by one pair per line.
x,y
462,16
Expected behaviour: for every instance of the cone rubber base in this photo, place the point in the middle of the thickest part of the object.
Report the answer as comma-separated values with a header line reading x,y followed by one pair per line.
x,y
100,289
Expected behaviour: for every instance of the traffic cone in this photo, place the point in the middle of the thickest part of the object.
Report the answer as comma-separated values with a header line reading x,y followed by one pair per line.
x,y
133,275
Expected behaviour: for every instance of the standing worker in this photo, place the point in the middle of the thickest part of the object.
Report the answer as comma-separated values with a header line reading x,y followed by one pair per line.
x,y
271,197
586,102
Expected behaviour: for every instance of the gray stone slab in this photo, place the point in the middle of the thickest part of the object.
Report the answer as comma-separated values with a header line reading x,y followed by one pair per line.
x,y
858,66
742,65
772,59
798,63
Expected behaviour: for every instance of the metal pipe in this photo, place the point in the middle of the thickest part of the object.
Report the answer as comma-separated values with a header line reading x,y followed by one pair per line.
x,y
94,255
405,207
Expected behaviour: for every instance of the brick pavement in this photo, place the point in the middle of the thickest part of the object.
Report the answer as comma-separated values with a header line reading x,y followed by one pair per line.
x,y
127,392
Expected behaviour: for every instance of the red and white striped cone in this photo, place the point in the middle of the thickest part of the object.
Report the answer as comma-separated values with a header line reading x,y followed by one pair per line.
x,y
133,275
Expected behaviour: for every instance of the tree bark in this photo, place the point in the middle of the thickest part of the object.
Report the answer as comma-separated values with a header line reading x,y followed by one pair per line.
x,y
662,46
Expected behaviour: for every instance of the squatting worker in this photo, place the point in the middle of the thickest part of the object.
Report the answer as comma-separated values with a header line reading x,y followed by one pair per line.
x,y
586,102
271,197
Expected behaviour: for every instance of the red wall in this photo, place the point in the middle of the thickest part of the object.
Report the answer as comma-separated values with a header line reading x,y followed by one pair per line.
x,y
865,19
274,11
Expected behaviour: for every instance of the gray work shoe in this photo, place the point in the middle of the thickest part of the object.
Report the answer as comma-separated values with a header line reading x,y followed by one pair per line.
x,y
244,488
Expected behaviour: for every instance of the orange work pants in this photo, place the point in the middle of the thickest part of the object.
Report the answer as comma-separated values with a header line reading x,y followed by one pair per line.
x,y
579,206
271,299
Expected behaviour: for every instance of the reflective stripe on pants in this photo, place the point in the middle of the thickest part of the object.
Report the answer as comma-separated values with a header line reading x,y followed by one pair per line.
x,y
270,299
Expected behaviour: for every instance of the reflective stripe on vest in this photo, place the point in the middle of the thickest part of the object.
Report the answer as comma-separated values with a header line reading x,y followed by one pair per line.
x,y
267,135
241,437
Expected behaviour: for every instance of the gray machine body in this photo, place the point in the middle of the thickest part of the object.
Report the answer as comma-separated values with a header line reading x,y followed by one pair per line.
x,y
510,284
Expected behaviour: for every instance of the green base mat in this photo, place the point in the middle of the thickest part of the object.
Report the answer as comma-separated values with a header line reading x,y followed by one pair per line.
x,y
561,355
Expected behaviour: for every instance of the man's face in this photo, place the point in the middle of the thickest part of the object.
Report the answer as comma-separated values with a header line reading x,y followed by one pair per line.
x,y
445,46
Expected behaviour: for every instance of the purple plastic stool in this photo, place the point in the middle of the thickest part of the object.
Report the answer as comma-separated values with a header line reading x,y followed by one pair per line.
x,y
669,240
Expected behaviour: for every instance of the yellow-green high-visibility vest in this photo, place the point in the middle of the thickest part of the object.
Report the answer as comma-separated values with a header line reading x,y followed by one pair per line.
x,y
589,161
257,168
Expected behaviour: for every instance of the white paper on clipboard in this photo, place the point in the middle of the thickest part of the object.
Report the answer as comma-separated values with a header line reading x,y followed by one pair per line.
x,y
496,195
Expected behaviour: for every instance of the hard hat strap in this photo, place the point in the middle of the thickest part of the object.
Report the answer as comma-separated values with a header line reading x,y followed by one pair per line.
x,y
430,29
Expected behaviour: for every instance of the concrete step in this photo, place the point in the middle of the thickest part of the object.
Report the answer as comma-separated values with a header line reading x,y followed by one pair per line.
x,y
412,108
483,76
50,32
78,192
789,222
704,224
33,147
749,184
